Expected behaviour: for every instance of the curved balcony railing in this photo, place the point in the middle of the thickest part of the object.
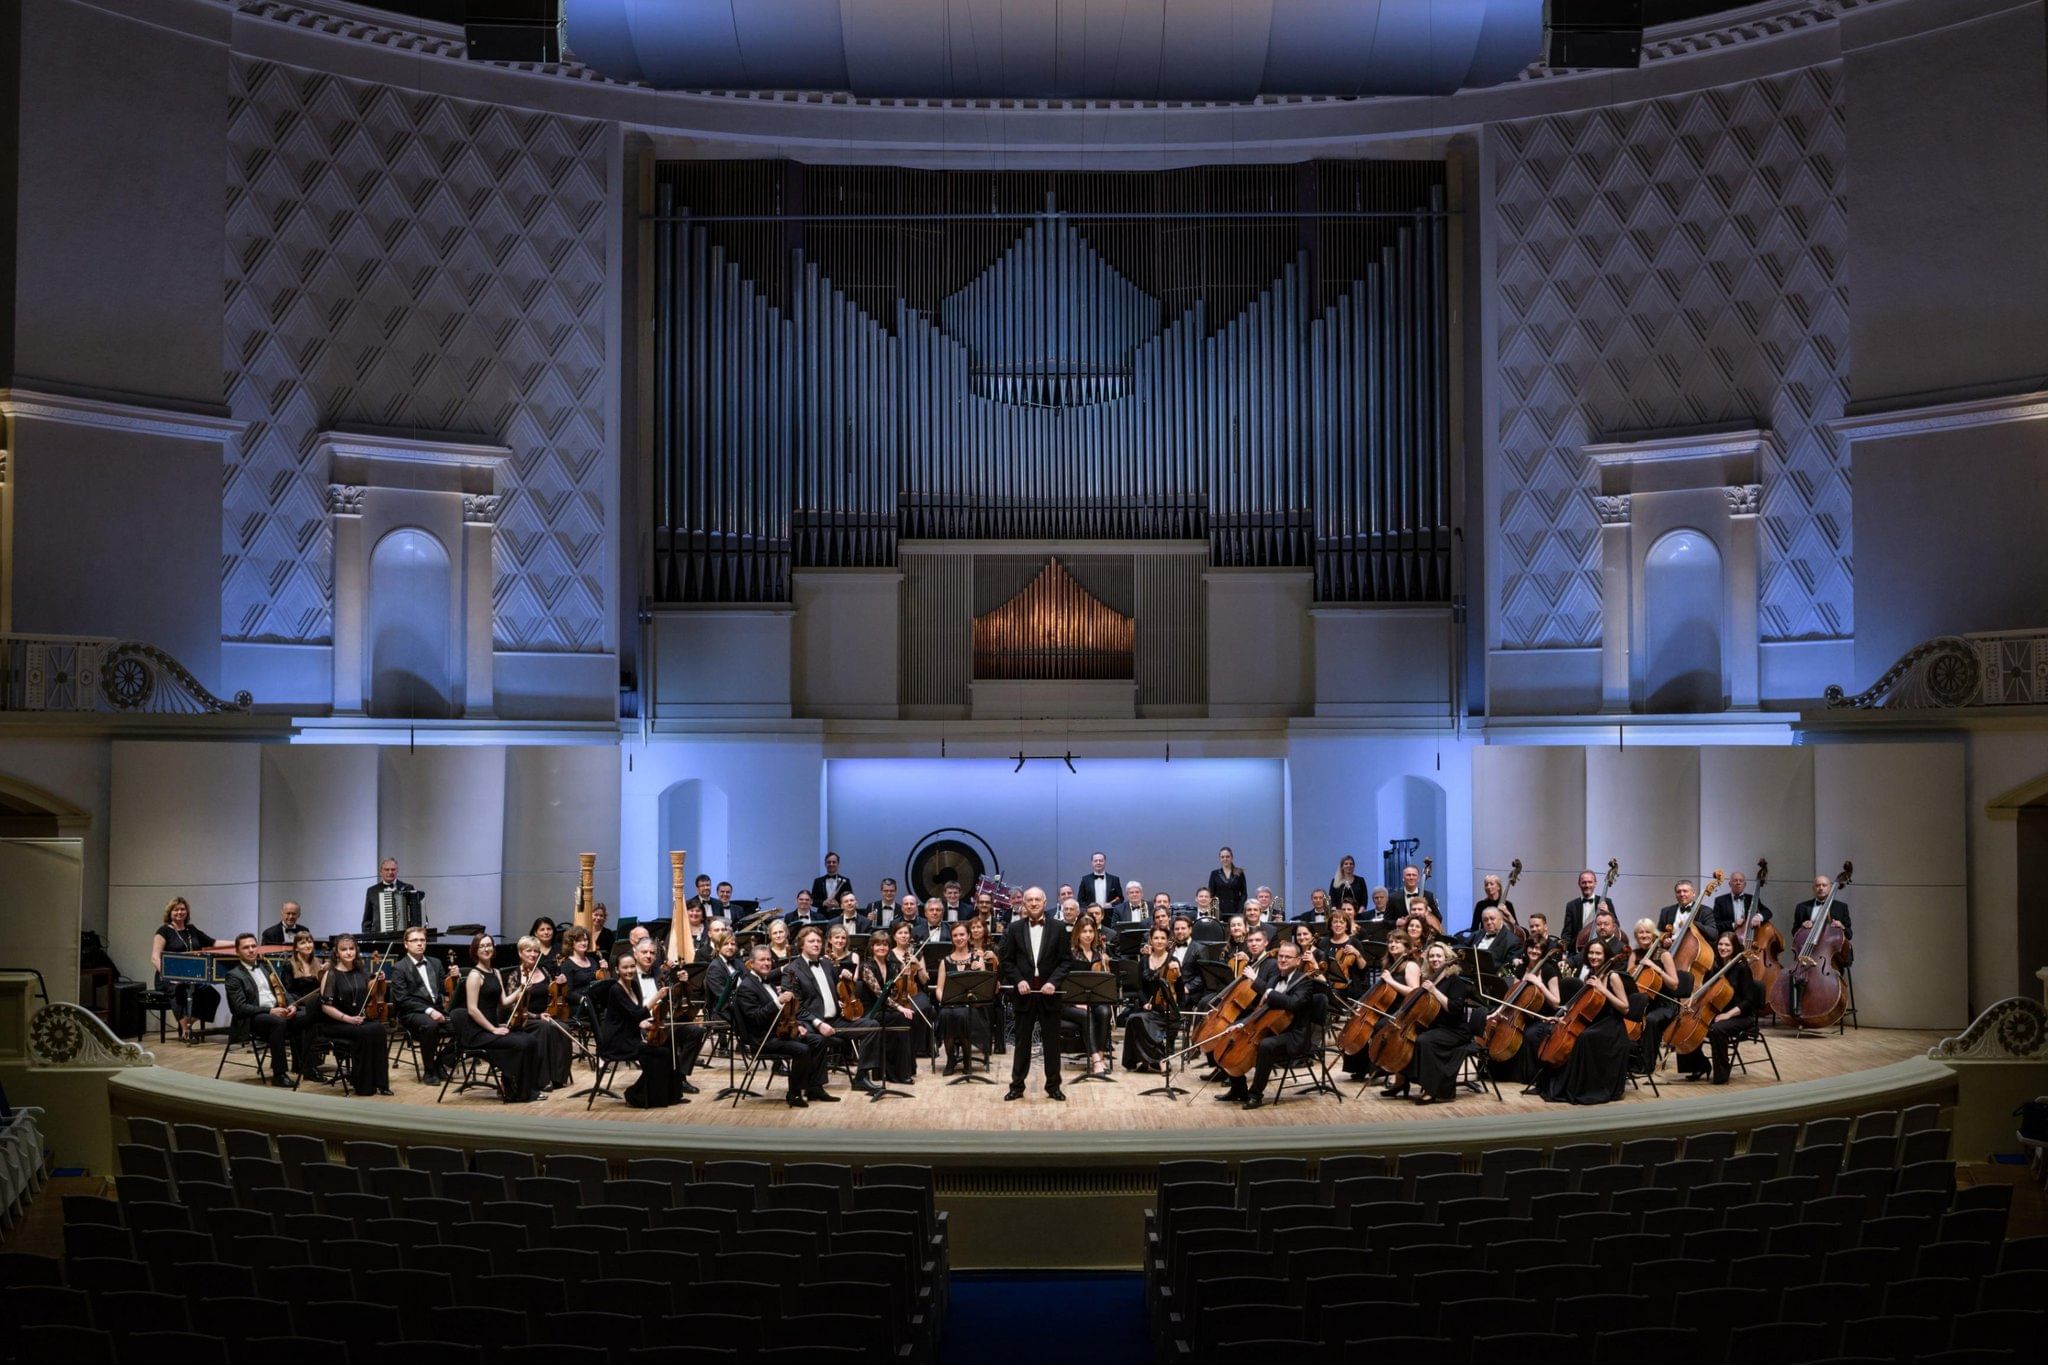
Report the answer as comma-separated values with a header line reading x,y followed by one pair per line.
x,y
89,673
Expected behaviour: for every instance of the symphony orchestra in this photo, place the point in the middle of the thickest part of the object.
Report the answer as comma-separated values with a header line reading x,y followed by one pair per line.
x,y
1228,987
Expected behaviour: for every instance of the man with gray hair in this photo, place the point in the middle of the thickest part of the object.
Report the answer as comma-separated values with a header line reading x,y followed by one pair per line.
x,y
1034,956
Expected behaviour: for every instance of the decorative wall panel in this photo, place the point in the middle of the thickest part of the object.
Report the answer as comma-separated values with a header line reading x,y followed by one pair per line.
x,y
1676,263
400,260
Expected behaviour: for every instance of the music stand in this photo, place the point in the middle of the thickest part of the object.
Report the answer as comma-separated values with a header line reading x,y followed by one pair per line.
x,y
1166,1086
1088,989
976,990
885,1016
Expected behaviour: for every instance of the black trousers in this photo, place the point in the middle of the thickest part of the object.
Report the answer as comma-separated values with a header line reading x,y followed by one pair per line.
x,y
1042,1013
277,1034
435,1037
1721,1038
805,1058
1275,1052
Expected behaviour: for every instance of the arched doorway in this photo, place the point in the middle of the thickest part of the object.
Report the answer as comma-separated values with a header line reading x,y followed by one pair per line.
x,y
694,816
1683,608
414,655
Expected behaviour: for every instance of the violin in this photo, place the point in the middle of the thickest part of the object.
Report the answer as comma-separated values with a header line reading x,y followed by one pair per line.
x,y
850,1006
518,1016
558,1000
785,1019
1815,974
1239,1053
1166,999
1504,1033
377,999
450,984
1393,1045
658,1021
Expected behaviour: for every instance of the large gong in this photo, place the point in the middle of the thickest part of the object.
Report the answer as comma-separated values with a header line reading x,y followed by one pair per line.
x,y
949,855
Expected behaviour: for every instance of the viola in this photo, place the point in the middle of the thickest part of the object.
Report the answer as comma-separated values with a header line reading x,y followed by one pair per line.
x,y
558,1000
377,999
1504,1032
1815,970
1393,1045
1239,1053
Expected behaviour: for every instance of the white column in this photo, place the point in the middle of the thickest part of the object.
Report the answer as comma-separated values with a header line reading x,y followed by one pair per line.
x,y
1744,577
479,520
1617,613
351,595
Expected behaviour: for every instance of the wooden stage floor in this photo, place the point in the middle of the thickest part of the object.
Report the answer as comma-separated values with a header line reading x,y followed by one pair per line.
x,y
1118,1107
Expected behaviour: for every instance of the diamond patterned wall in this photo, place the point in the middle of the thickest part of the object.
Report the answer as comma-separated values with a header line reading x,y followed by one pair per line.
x,y
1673,263
403,260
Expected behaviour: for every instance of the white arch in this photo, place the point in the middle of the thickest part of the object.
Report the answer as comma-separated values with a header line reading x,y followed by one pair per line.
x,y
1684,612
415,649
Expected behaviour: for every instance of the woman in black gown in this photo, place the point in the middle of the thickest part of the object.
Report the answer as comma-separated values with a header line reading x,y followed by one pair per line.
x,y
1154,1021
577,964
964,1027
625,1018
1437,1047
1749,998
1401,973
549,938
195,1001
343,992
481,1025
554,1048
302,971
886,1053
1541,971
909,957
1597,1070
1661,1008
1093,1021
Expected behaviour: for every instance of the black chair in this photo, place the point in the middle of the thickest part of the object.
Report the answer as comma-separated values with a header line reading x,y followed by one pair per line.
x,y
492,1329
1615,1312
97,1239
1894,1337
102,1275
1971,1260
671,1171
1932,1296
46,1305
21,1268
357,1326
408,1292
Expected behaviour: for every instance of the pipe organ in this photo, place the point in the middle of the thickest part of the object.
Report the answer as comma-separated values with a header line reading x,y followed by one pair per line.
x,y
850,358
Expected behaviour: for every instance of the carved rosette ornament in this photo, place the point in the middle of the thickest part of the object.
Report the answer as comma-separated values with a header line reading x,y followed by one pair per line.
x,y
63,1034
2011,1030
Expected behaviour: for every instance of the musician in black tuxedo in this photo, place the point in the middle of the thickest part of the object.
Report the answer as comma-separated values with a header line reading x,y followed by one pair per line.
x,y
1579,913
254,1005
1099,886
814,978
879,909
825,890
1296,992
1734,907
416,982
1838,912
755,1008
1227,889
1034,956
1412,889
281,934
1686,904
387,880
847,914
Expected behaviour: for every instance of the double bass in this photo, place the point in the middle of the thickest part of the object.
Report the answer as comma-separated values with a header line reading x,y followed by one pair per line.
x,y
1762,944
1814,975
1503,1035
1606,888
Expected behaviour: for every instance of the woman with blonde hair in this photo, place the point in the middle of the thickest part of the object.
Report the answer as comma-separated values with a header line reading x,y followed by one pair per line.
x,y
195,1002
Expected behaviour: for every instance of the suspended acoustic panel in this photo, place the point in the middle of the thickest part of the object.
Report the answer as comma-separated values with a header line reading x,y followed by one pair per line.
x,y
1252,357
1079,49
1053,629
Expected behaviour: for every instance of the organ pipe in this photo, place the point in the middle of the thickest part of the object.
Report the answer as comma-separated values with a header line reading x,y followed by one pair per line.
x,y
1101,364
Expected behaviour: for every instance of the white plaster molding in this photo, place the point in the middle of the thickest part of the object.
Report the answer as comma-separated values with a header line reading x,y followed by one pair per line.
x,y
2015,1029
1752,445
111,415
345,499
1744,499
1612,509
1916,421
411,450
480,509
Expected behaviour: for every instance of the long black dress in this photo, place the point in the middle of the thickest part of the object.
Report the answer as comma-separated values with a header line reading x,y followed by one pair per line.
x,y
1597,1070
1748,999
619,1039
555,1049
964,1027
1149,1030
1437,1047
516,1054
367,1043
195,999
887,1050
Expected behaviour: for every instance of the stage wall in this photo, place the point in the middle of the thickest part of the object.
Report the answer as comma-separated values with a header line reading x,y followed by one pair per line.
x,y
1896,810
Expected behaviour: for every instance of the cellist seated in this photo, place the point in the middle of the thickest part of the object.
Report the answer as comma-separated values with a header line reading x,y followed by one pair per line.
x,y
1299,995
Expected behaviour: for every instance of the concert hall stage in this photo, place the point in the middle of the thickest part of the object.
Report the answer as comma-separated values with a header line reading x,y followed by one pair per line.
x,y
1094,1155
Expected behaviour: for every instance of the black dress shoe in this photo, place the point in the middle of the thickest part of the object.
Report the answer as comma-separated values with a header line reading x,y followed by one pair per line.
x,y
799,1102
382,1091
1254,1101
1015,1092
821,1097
864,1085
281,1082
687,1088
1059,1095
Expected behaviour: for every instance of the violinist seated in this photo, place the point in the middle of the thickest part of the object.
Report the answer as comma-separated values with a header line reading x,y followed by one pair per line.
x,y
686,1037
1661,999
554,1048
481,1016
1743,1006
1301,996
416,983
1838,913
816,981
256,1008
887,1023
625,1023
963,1027
1153,1021
344,1002
757,1011
579,964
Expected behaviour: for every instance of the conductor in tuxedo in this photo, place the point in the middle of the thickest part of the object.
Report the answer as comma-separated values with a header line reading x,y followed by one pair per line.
x,y
1034,958
1227,891
1099,886
281,934
825,890
253,1004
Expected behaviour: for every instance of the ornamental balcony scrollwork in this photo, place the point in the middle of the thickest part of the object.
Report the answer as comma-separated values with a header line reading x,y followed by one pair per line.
x,y
82,673
63,1034
2001,668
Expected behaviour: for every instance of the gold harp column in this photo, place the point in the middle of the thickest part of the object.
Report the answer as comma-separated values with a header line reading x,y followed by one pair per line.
x,y
682,945
586,889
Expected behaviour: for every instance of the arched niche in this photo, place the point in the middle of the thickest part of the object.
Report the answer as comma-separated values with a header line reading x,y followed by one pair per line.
x,y
415,628
1684,611
1410,807
695,815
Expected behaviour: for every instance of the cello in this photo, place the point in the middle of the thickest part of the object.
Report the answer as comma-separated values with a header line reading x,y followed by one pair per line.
x,y
1693,950
1503,1035
1762,944
1239,1053
1393,1044
1715,994
1586,930
1813,978
1228,1007
1373,1009
1583,1010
